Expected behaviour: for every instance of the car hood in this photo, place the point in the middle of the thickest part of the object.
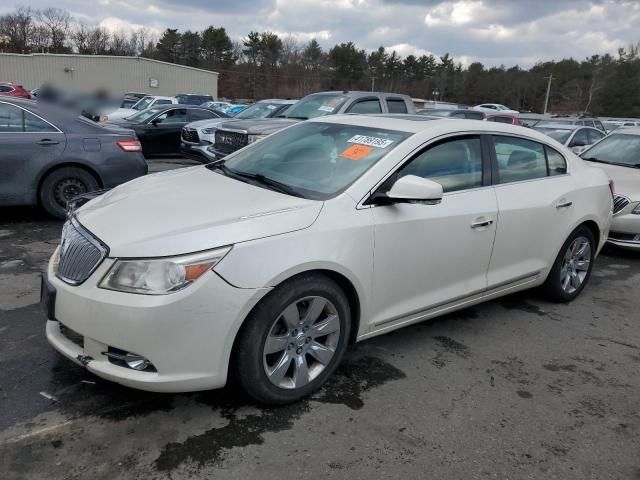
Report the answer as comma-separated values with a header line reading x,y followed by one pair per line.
x,y
259,126
209,122
189,210
626,179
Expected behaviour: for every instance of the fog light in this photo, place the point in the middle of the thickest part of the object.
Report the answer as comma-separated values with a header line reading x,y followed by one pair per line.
x,y
136,361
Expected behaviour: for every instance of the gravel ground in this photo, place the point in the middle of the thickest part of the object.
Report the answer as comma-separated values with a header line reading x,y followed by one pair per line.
x,y
513,389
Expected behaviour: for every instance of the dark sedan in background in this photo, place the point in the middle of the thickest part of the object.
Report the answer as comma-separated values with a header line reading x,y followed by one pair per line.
x,y
158,128
48,155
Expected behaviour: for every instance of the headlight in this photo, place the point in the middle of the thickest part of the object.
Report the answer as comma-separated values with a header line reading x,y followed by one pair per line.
x,y
160,276
208,131
637,209
255,138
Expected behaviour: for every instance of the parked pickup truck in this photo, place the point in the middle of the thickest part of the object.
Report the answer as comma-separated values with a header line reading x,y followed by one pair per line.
x,y
235,134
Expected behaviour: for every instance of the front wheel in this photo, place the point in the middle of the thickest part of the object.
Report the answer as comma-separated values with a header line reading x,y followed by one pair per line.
x,y
293,340
572,268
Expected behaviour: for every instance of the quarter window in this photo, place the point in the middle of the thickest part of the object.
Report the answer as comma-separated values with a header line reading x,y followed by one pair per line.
x,y
366,106
557,163
454,164
519,159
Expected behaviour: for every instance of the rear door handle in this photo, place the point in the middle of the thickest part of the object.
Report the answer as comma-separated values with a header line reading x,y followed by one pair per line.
x,y
48,141
482,223
564,204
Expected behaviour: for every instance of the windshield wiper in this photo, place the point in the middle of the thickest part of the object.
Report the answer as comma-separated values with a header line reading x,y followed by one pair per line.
x,y
297,118
594,159
256,177
618,164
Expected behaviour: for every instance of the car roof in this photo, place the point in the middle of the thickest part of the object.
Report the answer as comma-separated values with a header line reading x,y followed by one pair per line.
x,y
280,101
434,126
627,130
561,126
358,93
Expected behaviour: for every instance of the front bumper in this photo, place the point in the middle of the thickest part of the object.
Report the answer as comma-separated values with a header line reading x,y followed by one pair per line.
x,y
625,231
196,152
187,335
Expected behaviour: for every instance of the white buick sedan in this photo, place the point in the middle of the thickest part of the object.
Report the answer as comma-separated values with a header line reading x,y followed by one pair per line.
x,y
266,266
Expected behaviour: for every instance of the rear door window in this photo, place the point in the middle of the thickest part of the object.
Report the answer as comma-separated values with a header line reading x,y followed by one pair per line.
x,y
371,105
396,105
195,115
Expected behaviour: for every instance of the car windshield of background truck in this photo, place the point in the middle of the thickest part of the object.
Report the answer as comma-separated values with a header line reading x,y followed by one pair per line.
x,y
316,106
313,160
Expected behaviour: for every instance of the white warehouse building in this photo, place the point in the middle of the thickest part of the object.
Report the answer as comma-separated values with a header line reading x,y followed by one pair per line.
x,y
115,74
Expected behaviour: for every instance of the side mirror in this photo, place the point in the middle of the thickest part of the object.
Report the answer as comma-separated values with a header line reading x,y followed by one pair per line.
x,y
412,189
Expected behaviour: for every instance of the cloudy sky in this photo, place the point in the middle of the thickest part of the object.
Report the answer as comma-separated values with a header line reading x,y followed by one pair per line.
x,y
491,31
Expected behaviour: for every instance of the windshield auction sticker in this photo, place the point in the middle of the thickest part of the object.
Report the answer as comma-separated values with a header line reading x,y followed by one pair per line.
x,y
356,152
370,141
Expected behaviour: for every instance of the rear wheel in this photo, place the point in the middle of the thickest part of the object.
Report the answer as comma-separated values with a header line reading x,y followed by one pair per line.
x,y
62,185
293,340
572,268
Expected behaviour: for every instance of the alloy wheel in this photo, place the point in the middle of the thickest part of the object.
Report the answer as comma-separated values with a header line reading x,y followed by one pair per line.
x,y
301,342
575,265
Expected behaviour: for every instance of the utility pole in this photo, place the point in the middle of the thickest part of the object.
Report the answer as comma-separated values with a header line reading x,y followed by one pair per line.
x,y
546,98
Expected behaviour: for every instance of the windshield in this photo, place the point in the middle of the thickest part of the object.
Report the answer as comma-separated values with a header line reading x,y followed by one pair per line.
x,y
558,134
144,115
143,103
314,106
316,160
618,149
259,110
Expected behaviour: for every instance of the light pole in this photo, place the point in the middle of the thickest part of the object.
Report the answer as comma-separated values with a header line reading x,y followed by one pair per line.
x,y
546,98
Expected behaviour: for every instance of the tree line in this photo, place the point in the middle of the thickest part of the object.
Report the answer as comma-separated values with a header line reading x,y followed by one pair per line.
x,y
264,64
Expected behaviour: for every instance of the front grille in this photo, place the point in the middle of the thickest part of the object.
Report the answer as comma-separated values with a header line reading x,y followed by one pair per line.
x,y
190,135
620,202
80,254
72,335
229,142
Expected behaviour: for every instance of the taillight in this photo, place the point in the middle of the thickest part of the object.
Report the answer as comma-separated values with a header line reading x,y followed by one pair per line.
x,y
130,145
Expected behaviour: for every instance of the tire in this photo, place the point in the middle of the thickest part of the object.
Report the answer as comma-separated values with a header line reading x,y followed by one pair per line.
x,y
63,184
572,268
296,371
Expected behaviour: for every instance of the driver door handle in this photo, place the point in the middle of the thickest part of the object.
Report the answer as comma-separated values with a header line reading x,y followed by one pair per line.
x,y
479,223
564,204
48,141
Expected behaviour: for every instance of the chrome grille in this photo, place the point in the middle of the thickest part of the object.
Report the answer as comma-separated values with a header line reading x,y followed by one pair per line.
x,y
80,254
229,142
620,202
190,135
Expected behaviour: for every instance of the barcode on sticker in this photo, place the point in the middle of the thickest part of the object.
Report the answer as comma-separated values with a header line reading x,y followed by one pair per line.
x,y
370,141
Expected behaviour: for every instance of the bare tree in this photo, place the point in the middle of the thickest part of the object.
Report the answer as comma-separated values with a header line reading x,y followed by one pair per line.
x,y
16,28
58,23
98,41
80,38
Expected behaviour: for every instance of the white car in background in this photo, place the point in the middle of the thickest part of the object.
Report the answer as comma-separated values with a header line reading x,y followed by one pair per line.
x,y
144,103
495,108
618,154
575,137
266,265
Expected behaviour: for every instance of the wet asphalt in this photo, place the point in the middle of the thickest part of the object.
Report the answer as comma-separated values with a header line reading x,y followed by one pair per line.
x,y
517,388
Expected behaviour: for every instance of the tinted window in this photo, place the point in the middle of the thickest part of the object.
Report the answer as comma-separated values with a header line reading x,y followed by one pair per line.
x,y
366,106
5,89
163,102
35,124
500,120
589,123
396,105
557,163
594,135
475,115
10,118
458,115
455,164
177,115
195,115
599,124
519,159
580,139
